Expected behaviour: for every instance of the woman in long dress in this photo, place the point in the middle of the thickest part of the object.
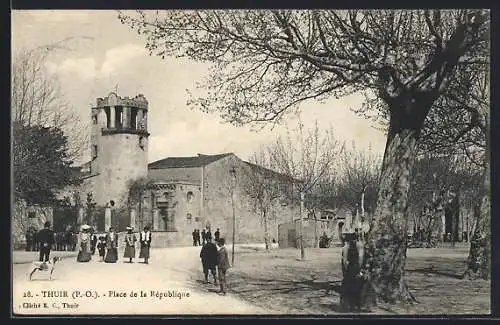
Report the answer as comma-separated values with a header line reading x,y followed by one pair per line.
x,y
145,244
84,245
111,246
130,240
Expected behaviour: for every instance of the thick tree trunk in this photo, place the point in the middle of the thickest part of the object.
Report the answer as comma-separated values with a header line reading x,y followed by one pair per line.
x,y
385,245
479,261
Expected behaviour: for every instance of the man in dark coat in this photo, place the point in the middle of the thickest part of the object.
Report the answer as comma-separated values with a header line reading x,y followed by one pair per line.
x,y
208,257
217,235
46,239
195,240
203,237
208,234
222,265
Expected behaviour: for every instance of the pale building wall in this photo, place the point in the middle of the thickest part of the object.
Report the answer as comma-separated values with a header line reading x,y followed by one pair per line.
x,y
120,160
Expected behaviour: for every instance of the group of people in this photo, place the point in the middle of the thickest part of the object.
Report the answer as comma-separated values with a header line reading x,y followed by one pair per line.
x,y
214,259
200,239
63,240
107,245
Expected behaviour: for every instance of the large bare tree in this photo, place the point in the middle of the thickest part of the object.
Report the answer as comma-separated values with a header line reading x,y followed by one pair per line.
x,y
265,188
306,155
37,98
266,62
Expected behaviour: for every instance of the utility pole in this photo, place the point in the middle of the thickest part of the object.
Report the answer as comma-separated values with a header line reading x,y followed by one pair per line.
x,y
233,174
301,238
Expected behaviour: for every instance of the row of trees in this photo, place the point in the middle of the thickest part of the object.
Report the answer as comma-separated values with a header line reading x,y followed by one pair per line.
x,y
416,66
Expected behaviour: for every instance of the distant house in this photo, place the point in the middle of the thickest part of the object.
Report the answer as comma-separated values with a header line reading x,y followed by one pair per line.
x,y
195,192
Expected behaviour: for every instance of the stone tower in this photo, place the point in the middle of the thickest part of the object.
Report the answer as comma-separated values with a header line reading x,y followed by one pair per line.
x,y
119,140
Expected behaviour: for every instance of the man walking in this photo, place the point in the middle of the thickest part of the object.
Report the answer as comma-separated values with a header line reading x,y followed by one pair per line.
x,y
222,266
208,257
46,239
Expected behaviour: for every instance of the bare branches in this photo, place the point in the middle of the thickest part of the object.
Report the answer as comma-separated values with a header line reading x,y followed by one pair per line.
x,y
37,99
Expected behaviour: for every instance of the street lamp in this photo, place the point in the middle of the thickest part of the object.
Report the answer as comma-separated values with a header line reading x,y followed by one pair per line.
x,y
233,174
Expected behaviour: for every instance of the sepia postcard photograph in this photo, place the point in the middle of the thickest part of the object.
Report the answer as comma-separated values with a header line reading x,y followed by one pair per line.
x,y
250,162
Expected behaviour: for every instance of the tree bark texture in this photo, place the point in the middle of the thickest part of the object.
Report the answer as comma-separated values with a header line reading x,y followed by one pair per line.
x,y
385,245
479,261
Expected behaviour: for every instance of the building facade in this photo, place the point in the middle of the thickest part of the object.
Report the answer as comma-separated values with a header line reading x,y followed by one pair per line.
x,y
200,192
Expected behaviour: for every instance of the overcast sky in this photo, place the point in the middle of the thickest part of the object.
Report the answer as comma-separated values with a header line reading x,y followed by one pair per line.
x,y
116,56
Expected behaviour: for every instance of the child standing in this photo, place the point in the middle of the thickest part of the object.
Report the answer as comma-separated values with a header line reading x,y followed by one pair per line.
x,y
101,247
222,265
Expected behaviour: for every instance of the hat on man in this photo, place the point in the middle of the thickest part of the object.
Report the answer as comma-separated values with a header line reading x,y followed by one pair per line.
x,y
85,227
129,228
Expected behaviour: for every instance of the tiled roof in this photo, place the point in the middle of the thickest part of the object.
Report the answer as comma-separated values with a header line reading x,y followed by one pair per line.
x,y
179,162
270,172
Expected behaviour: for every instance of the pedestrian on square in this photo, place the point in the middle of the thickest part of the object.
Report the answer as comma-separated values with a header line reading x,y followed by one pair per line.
x,y
195,240
208,234
111,246
45,238
208,257
352,278
130,240
84,242
101,247
217,235
93,241
203,236
198,237
145,238
222,265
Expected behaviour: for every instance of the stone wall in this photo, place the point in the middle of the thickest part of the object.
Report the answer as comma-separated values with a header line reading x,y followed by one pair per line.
x,y
218,207
24,216
212,206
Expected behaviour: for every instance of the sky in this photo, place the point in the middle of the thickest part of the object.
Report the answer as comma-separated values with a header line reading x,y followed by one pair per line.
x,y
104,55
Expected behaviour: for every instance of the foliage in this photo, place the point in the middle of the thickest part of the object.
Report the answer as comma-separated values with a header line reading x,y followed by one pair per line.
x,y
41,163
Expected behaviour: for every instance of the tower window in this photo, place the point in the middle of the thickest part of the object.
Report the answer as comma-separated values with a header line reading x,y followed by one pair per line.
x,y
94,119
94,151
189,196
133,118
118,117
141,143
189,217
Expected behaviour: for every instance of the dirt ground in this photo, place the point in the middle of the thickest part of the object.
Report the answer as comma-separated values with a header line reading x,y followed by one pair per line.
x,y
279,281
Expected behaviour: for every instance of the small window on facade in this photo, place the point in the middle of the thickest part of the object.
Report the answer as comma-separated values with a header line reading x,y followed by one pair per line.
x,y
31,214
94,119
197,219
189,217
94,151
189,196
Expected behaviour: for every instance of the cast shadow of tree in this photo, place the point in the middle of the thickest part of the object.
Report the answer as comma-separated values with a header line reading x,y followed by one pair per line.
x,y
310,291
431,270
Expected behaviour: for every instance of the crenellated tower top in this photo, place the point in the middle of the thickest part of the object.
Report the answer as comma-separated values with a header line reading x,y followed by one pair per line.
x,y
113,99
121,114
